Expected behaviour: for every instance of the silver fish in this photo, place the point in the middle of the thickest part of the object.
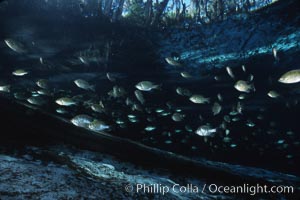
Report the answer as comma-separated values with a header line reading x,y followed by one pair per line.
x,y
172,62
183,91
44,92
20,96
243,68
61,111
216,109
206,130
177,117
186,75
65,101
129,101
273,94
20,72
138,94
36,100
136,107
82,120
110,77
250,77
242,96
42,83
289,77
97,108
97,125
199,99
117,92
239,107
15,45
146,86
275,54
150,128
229,71
219,96
84,84
250,123
217,78
244,86
4,88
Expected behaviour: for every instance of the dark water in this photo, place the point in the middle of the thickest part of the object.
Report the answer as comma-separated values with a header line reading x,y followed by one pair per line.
x,y
131,55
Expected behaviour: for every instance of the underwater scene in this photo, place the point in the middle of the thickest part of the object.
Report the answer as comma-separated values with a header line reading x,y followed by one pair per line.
x,y
142,99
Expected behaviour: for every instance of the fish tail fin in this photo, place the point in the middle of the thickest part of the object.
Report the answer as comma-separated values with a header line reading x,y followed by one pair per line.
x,y
76,100
159,87
253,88
93,88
